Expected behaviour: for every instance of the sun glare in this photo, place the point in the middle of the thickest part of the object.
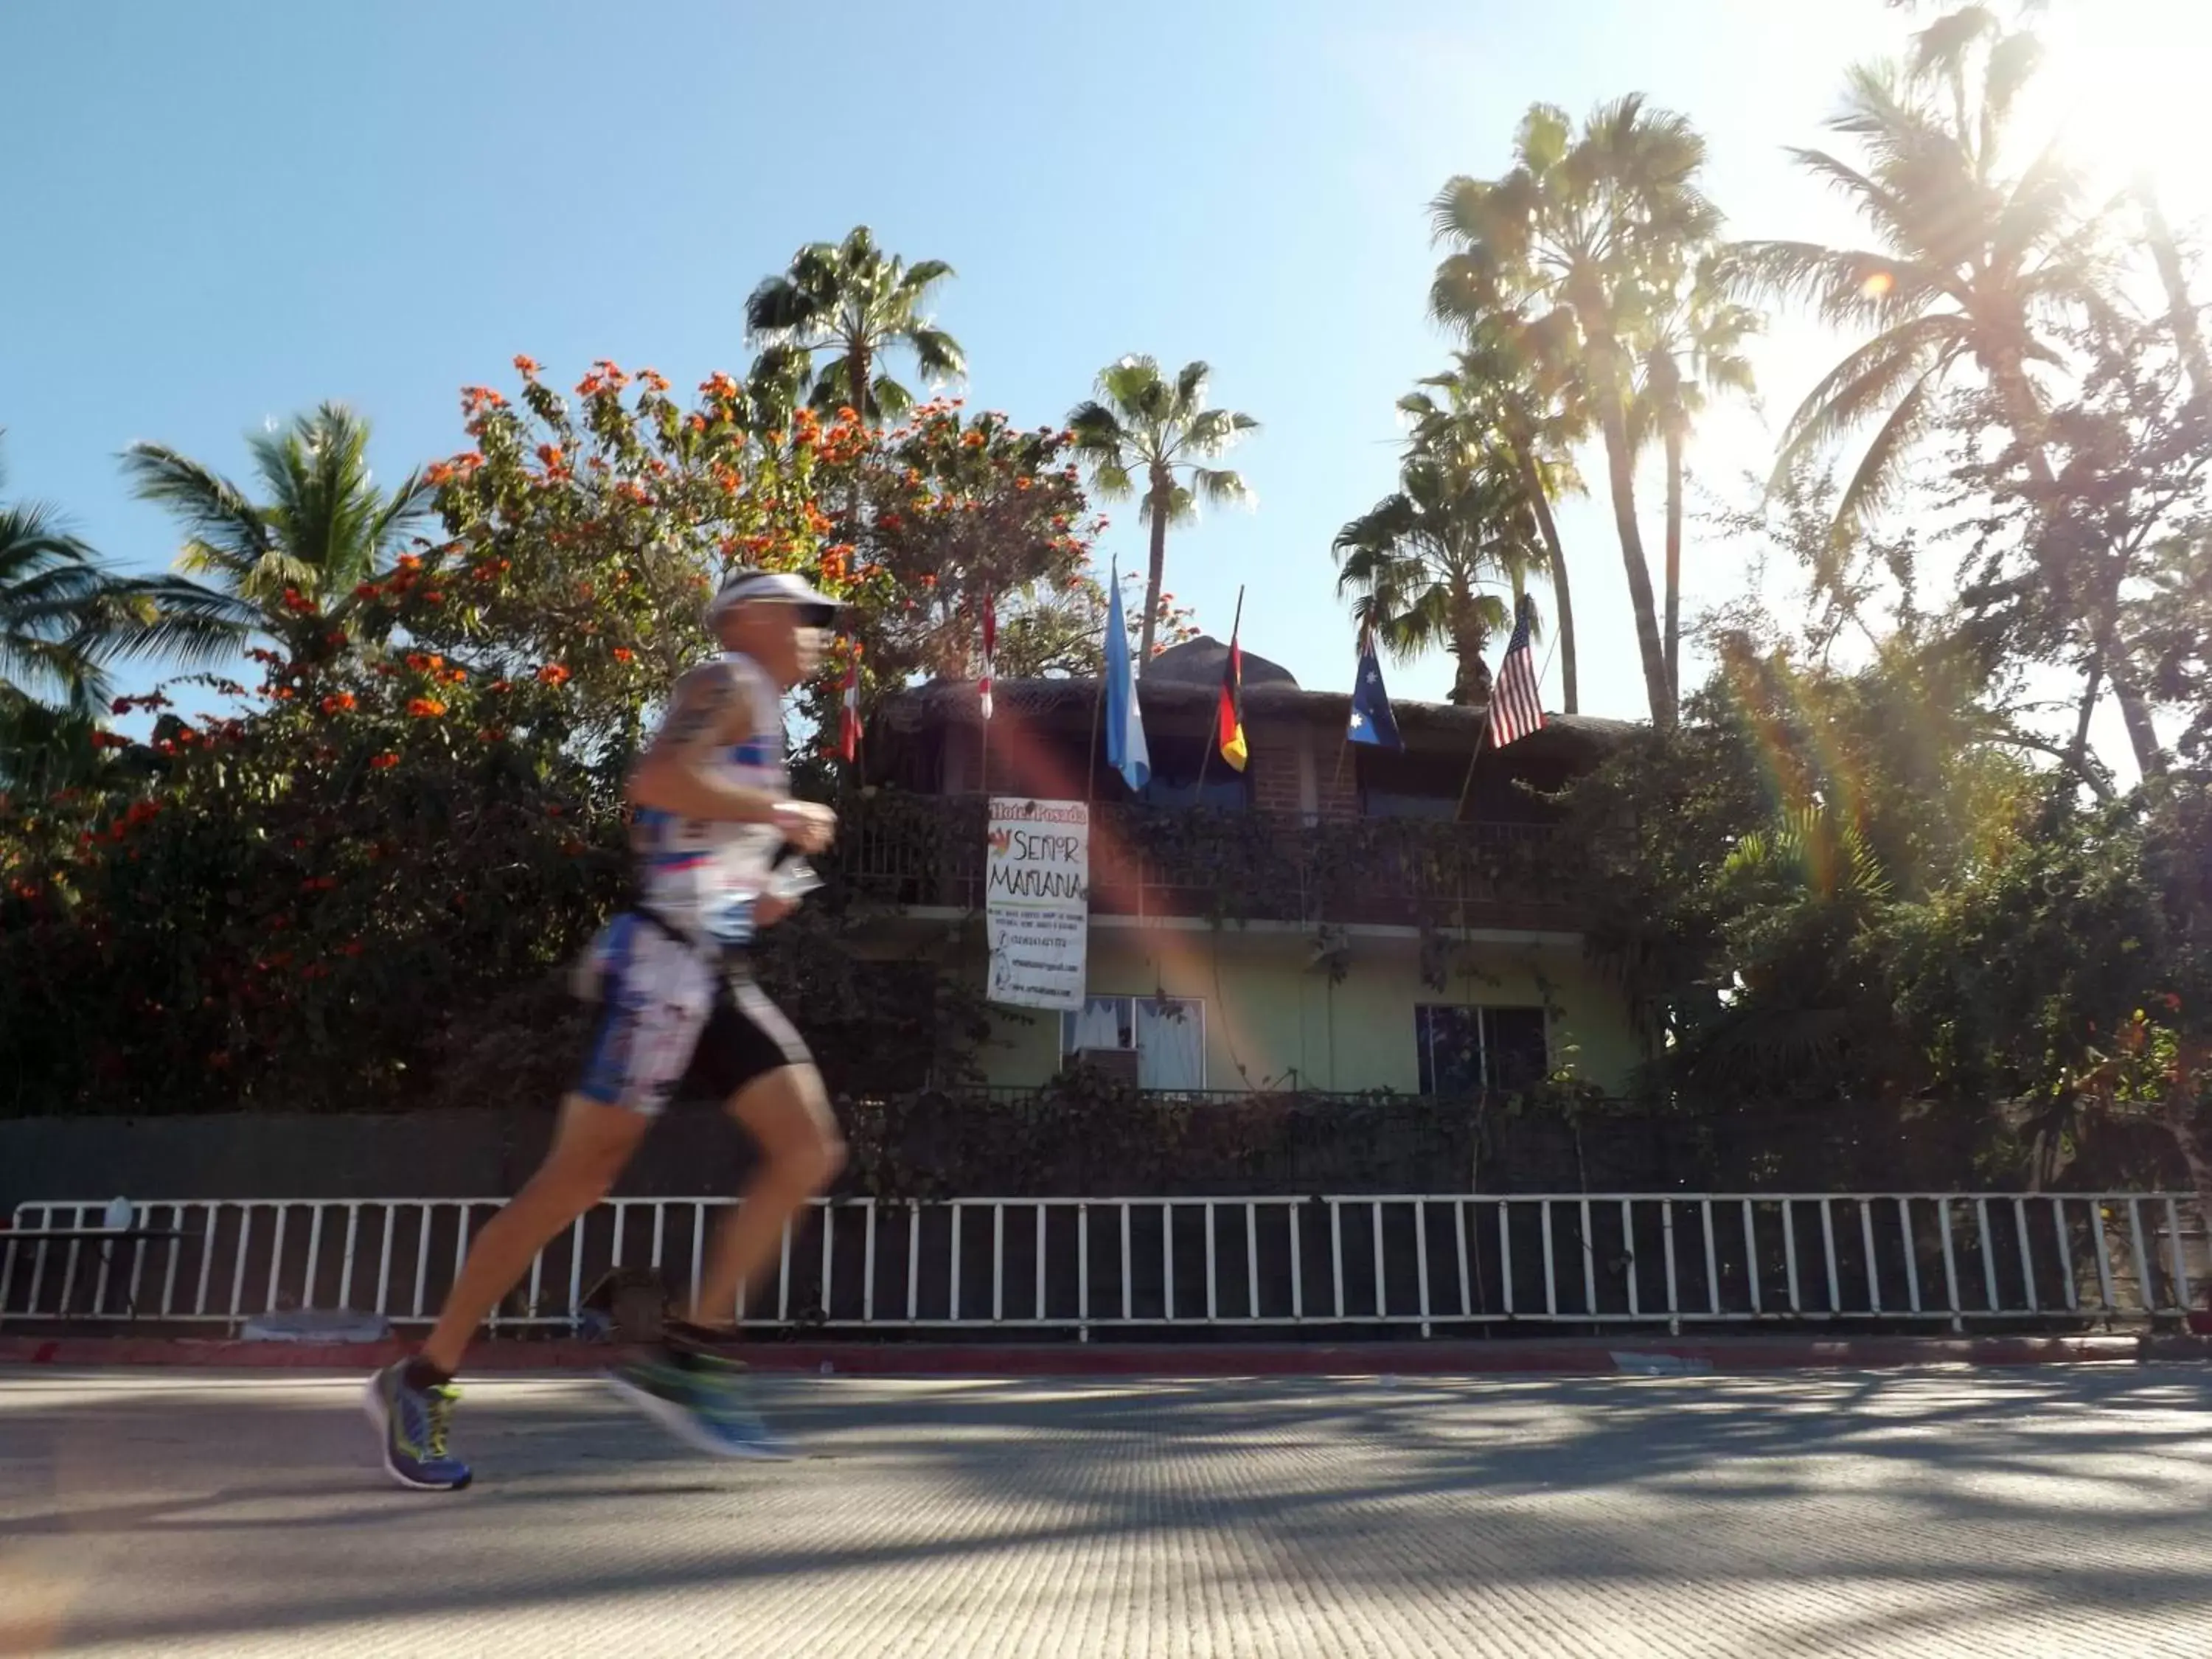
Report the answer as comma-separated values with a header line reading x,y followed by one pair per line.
x,y
2124,85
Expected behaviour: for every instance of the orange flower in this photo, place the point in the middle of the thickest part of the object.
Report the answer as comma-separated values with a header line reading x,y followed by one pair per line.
x,y
410,562
425,708
336,701
502,685
553,674
420,663
386,759
524,366
549,453
623,653
455,676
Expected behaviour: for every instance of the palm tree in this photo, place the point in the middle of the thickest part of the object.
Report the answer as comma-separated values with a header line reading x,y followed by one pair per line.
x,y
1509,394
1975,267
852,300
1580,225
1692,344
324,529
65,616
1420,560
1143,425
49,581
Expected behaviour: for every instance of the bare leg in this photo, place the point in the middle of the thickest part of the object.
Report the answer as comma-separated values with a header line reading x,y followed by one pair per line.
x,y
787,1113
589,1150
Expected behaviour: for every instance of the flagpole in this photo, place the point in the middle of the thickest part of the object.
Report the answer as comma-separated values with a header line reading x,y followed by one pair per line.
x,y
1344,747
1489,715
1097,716
1213,737
990,668
1480,738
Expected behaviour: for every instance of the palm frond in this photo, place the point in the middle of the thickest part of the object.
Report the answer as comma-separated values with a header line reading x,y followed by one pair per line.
x,y
937,352
211,510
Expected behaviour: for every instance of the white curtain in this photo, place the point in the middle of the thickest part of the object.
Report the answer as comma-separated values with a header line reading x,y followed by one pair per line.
x,y
1170,1046
1098,1026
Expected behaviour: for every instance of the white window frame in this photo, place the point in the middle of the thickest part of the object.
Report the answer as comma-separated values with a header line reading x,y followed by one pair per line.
x,y
1128,1002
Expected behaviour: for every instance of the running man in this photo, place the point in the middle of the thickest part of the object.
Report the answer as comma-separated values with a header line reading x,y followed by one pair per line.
x,y
713,815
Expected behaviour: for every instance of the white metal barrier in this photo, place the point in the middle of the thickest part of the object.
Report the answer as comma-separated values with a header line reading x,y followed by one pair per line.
x,y
1419,1261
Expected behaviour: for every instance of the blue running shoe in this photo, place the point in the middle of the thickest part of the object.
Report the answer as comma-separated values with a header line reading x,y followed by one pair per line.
x,y
702,1401
412,1423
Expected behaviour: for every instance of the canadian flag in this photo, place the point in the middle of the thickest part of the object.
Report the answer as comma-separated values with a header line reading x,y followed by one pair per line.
x,y
990,645
848,718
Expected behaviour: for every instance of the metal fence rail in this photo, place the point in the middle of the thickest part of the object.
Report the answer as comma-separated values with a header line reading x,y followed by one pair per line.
x,y
1417,1261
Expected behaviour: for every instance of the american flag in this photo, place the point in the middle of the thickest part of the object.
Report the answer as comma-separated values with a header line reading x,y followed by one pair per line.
x,y
1515,711
990,645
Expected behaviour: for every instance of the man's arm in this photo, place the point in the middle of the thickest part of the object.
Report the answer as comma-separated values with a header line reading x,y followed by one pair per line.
x,y
677,773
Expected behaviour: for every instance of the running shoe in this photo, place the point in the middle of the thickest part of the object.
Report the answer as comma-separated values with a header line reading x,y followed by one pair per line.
x,y
412,1423
706,1402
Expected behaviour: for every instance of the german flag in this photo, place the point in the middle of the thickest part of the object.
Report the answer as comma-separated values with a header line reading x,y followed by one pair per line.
x,y
1230,716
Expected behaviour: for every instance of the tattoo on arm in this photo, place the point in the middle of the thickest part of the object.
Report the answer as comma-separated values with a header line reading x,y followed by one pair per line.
x,y
696,712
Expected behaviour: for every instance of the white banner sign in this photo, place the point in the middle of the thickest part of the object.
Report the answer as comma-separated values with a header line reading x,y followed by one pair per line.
x,y
1037,901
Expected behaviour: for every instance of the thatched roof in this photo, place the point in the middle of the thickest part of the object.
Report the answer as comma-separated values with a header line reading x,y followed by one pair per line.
x,y
1429,725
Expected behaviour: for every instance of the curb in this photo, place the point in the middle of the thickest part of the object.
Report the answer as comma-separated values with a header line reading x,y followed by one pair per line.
x,y
1585,1356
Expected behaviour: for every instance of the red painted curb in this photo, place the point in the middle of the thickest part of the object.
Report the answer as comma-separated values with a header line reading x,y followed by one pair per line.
x,y
1581,1356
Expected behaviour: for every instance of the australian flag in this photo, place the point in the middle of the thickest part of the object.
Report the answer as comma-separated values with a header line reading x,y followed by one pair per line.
x,y
1371,722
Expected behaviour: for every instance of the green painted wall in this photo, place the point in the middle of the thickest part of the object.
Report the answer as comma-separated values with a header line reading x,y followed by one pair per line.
x,y
1272,1019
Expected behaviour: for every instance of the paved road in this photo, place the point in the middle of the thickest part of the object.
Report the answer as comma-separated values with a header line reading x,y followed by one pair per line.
x,y
2058,1511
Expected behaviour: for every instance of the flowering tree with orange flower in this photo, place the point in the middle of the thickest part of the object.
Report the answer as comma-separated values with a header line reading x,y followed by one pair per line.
x,y
310,896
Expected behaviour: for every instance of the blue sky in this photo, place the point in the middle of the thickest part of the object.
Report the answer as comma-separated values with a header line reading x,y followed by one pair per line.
x,y
225,212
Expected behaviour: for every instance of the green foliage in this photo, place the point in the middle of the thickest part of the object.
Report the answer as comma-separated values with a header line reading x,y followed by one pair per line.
x,y
1148,436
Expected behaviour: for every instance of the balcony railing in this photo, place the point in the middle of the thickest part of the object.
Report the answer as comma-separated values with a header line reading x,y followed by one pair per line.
x,y
920,851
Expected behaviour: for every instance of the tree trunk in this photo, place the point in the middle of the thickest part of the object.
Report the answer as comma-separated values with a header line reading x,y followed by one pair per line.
x,y
1155,572
858,367
1620,474
1471,676
1674,597
2024,414
2188,336
1532,483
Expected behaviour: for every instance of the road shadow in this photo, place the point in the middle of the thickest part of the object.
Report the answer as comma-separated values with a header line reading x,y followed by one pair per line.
x,y
1916,1501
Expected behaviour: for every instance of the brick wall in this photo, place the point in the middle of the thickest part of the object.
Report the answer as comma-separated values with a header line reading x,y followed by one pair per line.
x,y
1336,781
1277,768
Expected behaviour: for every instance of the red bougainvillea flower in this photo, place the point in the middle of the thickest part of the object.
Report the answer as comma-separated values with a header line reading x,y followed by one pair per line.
x,y
384,760
425,708
553,674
